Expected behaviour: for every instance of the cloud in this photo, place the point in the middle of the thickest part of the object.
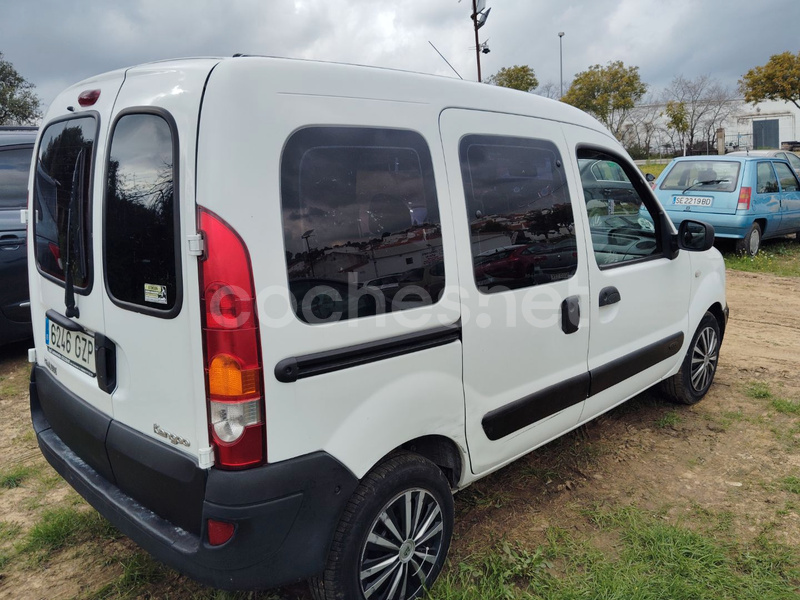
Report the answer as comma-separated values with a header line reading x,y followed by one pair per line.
x,y
54,45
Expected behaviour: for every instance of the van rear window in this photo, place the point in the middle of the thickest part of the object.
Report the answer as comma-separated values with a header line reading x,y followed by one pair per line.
x,y
141,251
61,200
361,222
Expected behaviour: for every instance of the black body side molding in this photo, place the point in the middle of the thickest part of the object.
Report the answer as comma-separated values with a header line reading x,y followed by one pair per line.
x,y
291,369
517,415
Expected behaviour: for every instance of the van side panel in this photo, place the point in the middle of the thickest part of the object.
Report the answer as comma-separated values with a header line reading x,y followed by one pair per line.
x,y
357,414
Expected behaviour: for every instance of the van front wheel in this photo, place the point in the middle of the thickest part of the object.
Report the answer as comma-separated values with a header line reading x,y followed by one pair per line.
x,y
691,383
393,537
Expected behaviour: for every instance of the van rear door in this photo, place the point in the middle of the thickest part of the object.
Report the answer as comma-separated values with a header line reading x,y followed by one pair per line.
x,y
151,302
65,267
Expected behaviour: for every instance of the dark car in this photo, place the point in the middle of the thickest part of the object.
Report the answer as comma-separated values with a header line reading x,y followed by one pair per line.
x,y
16,149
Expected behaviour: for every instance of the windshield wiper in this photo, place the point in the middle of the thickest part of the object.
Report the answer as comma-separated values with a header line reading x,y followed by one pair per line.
x,y
708,182
76,195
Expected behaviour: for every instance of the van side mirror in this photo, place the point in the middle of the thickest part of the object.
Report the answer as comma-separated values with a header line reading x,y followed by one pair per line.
x,y
650,177
695,236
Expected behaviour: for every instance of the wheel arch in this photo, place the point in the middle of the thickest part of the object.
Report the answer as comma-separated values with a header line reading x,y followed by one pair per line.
x,y
718,311
441,451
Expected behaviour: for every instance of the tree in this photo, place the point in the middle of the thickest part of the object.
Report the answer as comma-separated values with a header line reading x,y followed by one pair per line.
x,y
779,79
549,90
695,108
640,130
608,93
18,104
518,77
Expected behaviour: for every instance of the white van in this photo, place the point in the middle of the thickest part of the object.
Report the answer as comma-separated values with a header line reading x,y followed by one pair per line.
x,y
283,309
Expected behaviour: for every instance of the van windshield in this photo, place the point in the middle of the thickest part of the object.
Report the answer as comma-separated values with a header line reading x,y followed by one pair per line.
x,y
724,174
61,199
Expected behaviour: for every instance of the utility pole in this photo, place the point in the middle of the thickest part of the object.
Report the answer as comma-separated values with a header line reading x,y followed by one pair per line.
x,y
561,62
479,15
477,43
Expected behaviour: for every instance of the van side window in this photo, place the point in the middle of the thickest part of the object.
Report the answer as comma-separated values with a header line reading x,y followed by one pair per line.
x,y
361,222
766,182
140,221
621,224
520,218
61,200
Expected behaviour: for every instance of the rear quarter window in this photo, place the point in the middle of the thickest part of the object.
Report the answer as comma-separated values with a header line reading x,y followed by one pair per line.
x,y
361,223
141,215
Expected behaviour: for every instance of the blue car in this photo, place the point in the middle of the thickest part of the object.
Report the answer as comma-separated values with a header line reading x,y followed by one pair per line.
x,y
745,198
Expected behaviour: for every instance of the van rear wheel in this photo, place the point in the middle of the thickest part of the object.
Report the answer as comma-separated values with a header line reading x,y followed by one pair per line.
x,y
394,535
691,383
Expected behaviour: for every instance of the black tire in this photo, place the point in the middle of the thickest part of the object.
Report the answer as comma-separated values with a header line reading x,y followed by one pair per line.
x,y
403,485
691,383
751,243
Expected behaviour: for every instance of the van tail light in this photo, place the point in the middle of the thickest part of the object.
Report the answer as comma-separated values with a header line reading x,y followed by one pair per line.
x,y
231,347
744,199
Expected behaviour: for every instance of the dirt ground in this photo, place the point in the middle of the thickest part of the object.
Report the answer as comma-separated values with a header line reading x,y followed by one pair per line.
x,y
726,454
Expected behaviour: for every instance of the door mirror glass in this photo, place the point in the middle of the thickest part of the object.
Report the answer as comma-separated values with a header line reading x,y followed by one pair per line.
x,y
695,236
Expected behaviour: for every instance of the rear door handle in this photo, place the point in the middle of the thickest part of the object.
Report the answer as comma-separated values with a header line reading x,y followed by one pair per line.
x,y
11,242
570,314
609,295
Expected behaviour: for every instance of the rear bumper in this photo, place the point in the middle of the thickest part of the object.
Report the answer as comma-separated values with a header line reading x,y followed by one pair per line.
x,y
284,513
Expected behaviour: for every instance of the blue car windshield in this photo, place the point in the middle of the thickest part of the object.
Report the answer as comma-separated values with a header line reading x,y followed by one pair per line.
x,y
722,176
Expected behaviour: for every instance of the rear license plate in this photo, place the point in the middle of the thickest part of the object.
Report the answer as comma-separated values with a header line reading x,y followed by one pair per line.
x,y
693,200
74,347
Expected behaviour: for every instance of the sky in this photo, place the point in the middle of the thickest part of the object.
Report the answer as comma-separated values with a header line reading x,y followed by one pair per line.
x,y
53,43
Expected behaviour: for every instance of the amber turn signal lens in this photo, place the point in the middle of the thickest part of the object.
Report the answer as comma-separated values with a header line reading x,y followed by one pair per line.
x,y
226,378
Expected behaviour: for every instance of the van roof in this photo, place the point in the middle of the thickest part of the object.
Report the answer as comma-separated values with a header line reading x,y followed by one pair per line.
x,y
302,76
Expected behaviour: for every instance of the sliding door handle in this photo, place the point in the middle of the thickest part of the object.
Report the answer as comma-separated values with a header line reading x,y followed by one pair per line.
x,y
570,314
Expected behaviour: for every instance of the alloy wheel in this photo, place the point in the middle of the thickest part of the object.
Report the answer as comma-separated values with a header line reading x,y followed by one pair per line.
x,y
402,547
704,359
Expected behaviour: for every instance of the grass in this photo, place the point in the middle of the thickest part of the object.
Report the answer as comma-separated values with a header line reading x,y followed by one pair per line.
x,y
778,257
670,419
787,407
138,569
791,484
761,391
758,390
61,527
648,559
653,168
14,477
